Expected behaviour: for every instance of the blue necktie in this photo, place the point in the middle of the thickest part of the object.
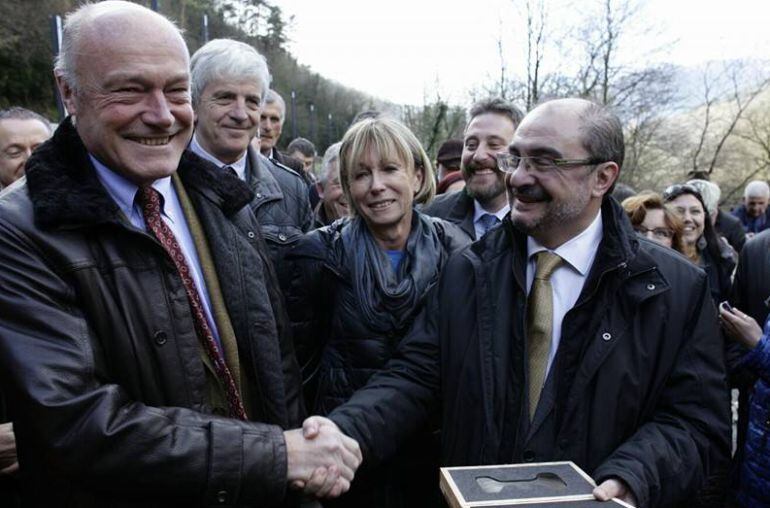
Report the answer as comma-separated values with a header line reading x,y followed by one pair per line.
x,y
487,221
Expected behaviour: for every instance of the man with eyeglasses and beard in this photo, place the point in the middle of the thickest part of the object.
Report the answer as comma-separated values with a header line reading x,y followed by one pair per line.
x,y
483,203
561,334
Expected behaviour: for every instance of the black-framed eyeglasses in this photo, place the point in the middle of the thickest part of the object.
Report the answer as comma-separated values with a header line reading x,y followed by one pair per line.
x,y
660,233
509,163
674,191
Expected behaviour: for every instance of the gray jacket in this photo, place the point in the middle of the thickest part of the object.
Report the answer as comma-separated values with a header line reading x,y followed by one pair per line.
x,y
280,200
456,208
280,204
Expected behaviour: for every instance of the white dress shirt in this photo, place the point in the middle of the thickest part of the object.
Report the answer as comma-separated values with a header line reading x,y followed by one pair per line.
x,y
123,192
568,279
239,166
478,212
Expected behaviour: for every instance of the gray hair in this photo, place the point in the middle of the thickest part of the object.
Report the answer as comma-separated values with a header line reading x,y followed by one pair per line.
x,y
273,97
757,189
331,156
227,59
710,192
72,33
602,133
498,106
17,113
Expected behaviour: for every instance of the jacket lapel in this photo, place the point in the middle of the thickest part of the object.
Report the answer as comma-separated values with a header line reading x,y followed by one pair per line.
x,y
461,213
498,343
224,190
63,186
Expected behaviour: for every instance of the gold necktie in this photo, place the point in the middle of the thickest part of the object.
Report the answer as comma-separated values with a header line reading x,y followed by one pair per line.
x,y
540,324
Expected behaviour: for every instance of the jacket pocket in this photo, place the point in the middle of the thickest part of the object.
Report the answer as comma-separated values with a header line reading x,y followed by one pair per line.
x,y
281,235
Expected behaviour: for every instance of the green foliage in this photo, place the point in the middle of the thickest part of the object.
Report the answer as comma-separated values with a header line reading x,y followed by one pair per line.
x,y
26,57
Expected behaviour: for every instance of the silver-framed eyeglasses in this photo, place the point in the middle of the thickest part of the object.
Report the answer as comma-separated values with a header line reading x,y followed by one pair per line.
x,y
508,162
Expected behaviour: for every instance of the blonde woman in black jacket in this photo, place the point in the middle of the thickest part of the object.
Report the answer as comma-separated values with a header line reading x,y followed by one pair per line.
x,y
359,283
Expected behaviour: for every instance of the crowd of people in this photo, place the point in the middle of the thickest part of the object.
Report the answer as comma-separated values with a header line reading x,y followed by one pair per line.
x,y
191,317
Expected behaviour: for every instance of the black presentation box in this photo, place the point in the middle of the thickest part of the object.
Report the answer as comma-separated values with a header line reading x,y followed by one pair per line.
x,y
542,485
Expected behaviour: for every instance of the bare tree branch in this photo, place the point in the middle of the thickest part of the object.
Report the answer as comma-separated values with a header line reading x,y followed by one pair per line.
x,y
742,105
726,196
708,101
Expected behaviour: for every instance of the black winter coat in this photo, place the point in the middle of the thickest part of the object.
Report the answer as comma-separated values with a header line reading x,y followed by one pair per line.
x,y
339,351
98,353
640,378
729,226
751,287
751,294
323,323
719,270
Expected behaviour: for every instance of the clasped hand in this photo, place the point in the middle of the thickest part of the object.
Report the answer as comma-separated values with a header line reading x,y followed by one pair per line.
x,y
321,460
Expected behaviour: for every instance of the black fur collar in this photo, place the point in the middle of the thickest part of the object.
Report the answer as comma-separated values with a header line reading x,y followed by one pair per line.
x,y
66,192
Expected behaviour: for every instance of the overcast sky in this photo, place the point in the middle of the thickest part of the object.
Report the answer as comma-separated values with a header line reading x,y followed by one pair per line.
x,y
405,50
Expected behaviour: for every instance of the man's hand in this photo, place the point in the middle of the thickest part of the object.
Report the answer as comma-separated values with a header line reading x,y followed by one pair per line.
x,y
740,326
614,487
8,460
321,460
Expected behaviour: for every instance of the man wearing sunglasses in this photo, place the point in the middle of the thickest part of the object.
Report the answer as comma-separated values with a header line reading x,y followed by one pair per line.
x,y
561,334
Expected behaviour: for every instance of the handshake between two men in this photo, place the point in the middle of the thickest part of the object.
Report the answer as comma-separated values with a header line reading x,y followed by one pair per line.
x,y
321,460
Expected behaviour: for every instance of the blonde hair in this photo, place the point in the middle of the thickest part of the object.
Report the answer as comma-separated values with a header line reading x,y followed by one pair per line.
x,y
392,140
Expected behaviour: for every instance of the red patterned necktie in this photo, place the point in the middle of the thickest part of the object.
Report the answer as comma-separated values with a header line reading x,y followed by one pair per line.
x,y
149,200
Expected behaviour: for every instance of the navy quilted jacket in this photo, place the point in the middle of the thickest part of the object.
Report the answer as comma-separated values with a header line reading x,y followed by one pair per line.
x,y
754,486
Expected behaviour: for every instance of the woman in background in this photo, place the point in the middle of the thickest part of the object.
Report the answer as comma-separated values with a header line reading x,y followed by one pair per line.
x,y
652,219
701,243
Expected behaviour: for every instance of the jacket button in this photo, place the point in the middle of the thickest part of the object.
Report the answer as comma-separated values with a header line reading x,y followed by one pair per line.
x,y
282,237
160,338
222,497
606,336
651,286
259,195
529,456
251,234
